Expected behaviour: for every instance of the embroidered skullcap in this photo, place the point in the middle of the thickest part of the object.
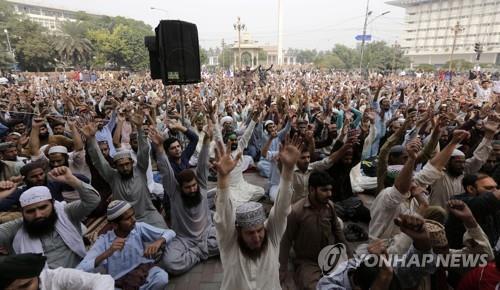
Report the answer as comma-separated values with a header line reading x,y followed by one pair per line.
x,y
34,194
58,149
393,171
226,119
122,154
116,208
437,233
457,153
250,214
21,266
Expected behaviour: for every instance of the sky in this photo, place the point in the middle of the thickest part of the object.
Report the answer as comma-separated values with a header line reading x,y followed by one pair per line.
x,y
307,24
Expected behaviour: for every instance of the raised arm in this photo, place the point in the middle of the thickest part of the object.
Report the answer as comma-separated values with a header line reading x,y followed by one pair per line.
x,y
483,150
384,155
276,222
89,197
403,181
167,173
34,136
98,160
202,166
224,218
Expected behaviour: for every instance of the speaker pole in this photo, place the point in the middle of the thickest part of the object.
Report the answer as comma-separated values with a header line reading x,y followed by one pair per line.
x,y
182,106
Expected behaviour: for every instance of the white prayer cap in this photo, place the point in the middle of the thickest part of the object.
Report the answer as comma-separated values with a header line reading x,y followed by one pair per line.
x,y
268,122
58,149
457,153
122,154
226,119
35,194
116,208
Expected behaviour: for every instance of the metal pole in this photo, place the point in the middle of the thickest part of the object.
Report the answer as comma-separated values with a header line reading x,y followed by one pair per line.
x,y
182,107
223,54
456,30
363,40
239,47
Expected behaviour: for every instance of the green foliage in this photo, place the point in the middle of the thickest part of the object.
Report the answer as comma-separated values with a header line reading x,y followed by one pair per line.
x,y
459,65
226,58
425,67
72,47
203,56
91,41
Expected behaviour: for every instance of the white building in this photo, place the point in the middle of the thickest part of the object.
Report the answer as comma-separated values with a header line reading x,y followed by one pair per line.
x,y
46,16
429,31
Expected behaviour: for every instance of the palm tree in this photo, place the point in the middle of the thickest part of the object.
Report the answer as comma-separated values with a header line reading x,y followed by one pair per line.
x,y
72,46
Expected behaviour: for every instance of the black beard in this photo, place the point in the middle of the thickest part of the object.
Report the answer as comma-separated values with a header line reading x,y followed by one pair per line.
x,y
41,227
249,253
234,146
454,173
191,200
126,176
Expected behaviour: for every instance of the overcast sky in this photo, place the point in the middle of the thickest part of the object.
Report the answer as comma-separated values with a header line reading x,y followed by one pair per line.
x,y
306,23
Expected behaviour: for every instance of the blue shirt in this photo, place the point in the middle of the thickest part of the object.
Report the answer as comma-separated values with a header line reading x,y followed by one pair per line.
x,y
132,254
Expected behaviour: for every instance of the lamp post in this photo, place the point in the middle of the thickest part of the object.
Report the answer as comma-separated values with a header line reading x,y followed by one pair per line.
x,y
238,26
367,14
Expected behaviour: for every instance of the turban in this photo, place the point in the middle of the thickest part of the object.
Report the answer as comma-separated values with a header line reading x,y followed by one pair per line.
x,y
116,208
250,214
35,194
58,149
457,153
22,266
122,154
226,119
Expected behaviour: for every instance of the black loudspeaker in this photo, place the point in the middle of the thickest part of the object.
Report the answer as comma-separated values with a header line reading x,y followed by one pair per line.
x,y
154,57
179,52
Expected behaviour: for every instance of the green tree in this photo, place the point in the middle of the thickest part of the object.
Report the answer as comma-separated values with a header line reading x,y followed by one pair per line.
x,y
203,56
425,67
32,45
348,56
306,56
459,65
226,58
73,47
328,61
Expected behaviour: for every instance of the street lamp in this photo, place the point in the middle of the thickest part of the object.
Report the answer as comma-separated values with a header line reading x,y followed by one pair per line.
x,y
159,9
238,26
368,13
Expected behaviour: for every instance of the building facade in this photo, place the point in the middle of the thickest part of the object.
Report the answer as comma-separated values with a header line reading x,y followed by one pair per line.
x,y
432,26
254,53
46,16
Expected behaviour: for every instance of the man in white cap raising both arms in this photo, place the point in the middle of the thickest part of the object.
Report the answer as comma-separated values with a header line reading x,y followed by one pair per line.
x,y
128,181
129,250
51,227
249,244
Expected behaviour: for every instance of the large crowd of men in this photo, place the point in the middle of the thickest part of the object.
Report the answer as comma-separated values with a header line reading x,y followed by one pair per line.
x,y
113,181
